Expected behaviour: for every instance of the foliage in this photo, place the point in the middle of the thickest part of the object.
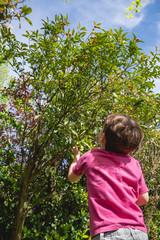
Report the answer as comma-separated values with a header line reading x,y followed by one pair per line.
x,y
13,9
4,75
4,72
71,83
134,8
9,191
148,155
58,214
66,214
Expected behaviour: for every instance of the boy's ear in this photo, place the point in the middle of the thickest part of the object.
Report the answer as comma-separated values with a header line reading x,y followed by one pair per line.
x,y
103,138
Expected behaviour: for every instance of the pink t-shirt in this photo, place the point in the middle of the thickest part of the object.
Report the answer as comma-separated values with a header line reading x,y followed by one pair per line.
x,y
114,182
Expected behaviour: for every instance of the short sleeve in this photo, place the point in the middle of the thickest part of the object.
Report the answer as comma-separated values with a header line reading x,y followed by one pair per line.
x,y
142,185
79,168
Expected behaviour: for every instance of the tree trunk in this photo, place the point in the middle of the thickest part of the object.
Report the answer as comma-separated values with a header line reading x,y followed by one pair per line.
x,y
20,216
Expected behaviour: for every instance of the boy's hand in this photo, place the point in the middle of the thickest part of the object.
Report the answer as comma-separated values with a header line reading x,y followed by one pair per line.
x,y
71,176
76,153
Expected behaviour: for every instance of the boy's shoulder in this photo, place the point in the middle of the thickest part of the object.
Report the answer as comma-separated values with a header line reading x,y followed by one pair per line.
x,y
93,152
135,161
112,155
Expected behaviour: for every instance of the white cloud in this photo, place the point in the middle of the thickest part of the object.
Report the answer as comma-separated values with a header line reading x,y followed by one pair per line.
x,y
109,13
158,28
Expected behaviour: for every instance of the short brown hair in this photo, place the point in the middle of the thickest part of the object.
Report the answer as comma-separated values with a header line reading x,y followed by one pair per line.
x,y
123,134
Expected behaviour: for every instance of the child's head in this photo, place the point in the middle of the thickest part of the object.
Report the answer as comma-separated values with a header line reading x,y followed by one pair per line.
x,y
120,134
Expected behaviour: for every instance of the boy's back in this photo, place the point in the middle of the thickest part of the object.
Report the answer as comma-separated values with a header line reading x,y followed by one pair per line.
x,y
114,182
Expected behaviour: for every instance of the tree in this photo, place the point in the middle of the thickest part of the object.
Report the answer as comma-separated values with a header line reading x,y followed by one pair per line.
x,y
71,83
13,9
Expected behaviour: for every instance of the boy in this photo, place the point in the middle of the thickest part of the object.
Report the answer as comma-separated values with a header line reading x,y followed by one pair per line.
x,y
115,183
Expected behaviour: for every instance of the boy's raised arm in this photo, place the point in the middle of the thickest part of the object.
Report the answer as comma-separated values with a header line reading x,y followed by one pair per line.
x,y
71,176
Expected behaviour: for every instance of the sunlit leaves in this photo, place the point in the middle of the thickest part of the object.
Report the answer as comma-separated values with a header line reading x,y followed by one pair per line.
x,y
134,8
13,9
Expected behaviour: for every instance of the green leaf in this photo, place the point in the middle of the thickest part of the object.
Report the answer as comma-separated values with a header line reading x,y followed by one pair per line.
x,y
29,21
26,10
85,236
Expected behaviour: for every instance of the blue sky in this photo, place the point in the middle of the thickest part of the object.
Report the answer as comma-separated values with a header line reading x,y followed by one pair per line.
x,y
146,24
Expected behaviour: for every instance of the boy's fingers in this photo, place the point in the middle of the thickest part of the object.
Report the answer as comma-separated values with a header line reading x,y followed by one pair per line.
x,y
75,147
76,150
